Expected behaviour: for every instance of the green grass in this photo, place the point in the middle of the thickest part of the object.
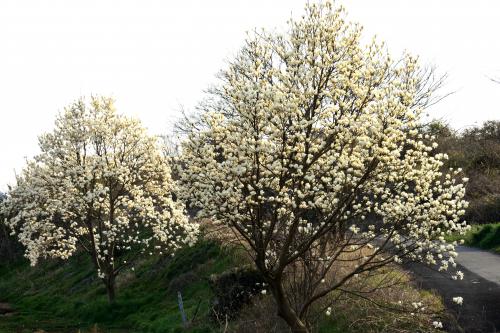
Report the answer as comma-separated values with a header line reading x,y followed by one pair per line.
x,y
484,236
61,296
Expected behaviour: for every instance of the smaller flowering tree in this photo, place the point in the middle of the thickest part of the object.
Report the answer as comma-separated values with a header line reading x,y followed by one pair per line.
x,y
310,153
102,185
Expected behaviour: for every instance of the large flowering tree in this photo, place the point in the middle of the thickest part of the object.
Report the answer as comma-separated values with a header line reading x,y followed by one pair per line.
x,y
310,152
102,185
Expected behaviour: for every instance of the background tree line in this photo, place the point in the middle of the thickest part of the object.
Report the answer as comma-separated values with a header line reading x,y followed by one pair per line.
x,y
477,151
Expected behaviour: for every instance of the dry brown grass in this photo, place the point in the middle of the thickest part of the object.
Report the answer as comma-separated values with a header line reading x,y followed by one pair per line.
x,y
387,309
220,233
377,312
378,301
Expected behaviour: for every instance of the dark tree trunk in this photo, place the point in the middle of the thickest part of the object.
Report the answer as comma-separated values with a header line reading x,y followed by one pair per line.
x,y
110,287
286,311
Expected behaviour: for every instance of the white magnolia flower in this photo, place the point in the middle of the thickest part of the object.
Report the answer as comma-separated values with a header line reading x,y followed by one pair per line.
x,y
437,324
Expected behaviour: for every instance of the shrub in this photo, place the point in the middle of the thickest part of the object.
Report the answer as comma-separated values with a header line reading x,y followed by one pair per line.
x,y
233,289
491,238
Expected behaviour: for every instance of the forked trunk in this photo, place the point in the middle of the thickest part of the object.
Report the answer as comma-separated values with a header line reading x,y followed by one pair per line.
x,y
295,324
286,312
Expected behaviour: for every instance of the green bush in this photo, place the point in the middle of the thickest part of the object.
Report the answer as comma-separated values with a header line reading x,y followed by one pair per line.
x,y
485,236
479,236
491,239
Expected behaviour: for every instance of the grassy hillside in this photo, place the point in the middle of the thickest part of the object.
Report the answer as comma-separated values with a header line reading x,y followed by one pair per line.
x,y
67,297
63,297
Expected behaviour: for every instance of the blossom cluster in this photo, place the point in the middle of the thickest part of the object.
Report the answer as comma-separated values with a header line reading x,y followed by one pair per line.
x,y
458,300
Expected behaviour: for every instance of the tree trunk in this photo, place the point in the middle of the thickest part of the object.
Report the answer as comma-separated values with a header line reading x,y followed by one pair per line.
x,y
110,287
285,311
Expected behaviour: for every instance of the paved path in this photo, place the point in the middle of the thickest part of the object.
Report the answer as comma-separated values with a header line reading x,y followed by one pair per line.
x,y
483,263
480,290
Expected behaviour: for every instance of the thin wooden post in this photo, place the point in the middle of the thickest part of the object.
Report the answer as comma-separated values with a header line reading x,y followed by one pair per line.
x,y
181,308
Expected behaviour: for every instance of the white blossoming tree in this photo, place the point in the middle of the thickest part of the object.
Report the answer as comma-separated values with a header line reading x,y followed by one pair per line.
x,y
309,151
102,185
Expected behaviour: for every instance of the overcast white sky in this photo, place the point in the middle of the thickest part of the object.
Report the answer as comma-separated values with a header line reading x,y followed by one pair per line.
x,y
154,56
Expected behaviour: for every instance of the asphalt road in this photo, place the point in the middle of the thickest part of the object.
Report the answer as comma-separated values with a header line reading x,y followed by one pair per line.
x,y
480,290
483,263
